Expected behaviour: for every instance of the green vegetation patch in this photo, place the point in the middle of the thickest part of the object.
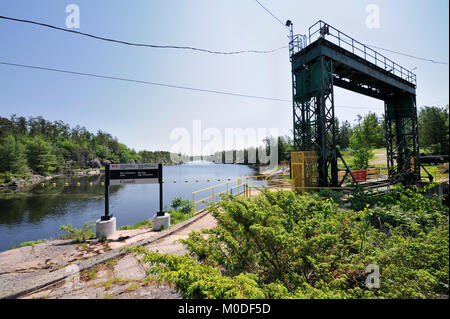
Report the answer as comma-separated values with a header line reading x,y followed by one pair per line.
x,y
28,243
283,245
181,211
143,224
80,235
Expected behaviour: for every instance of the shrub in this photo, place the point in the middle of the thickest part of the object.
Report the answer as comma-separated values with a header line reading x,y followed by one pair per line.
x,y
335,196
282,245
80,235
181,205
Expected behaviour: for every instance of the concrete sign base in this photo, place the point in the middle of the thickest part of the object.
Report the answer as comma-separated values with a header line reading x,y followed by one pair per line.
x,y
105,228
161,221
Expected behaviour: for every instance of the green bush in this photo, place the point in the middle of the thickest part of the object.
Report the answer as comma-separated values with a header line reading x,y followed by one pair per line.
x,y
335,196
182,205
80,235
182,210
361,158
7,177
282,245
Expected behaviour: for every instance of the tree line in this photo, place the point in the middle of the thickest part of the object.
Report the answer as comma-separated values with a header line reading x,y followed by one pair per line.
x,y
44,147
359,140
369,134
35,145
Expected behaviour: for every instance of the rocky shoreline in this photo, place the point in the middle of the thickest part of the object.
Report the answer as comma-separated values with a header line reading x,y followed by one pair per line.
x,y
16,185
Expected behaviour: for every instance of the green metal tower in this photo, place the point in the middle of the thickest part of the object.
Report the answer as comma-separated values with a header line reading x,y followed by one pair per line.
x,y
318,64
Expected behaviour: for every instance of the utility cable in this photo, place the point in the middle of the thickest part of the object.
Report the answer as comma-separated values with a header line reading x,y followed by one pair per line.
x,y
142,44
408,55
168,85
274,16
142,82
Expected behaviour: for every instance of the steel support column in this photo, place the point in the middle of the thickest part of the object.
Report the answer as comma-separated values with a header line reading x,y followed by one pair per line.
x,y
313,110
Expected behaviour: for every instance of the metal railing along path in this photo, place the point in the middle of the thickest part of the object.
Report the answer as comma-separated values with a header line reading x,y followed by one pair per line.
x,y
250,185
321,29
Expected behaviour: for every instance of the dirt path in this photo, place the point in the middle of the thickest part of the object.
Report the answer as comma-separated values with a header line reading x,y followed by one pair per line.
x,y
380,157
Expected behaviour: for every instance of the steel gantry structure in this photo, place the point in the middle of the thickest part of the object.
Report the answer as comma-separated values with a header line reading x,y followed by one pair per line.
x,y
327,57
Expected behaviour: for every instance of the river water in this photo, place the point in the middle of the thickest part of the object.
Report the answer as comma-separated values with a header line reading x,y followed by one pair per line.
x,y
39,214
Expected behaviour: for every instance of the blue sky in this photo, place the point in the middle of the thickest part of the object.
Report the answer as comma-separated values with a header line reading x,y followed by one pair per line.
x,y
143,116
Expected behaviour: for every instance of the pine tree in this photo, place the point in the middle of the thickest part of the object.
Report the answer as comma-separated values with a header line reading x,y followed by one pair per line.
x,y
12,156
40,156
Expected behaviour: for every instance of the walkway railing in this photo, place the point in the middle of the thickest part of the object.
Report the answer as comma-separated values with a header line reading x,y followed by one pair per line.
x,y
251,185
322,29
237,187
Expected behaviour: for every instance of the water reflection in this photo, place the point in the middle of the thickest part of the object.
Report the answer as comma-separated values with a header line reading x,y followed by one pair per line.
x,y
39,214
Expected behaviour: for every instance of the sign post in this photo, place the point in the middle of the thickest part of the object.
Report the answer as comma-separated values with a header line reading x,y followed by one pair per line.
x,y
160,180
121,174
106,225
162,219
107,216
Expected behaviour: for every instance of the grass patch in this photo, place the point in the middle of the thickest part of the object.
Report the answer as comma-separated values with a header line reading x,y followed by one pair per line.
x,y
115,281
143,224
133,287
89,274
28,243
181,211
92,274
112,262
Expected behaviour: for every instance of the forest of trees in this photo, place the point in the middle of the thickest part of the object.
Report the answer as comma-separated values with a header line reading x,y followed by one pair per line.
x,y
43,147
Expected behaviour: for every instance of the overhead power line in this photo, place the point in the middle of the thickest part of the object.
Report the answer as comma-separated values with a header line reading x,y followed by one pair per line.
x,y
408,55
159,84
142,82
169,85
274,16
142,44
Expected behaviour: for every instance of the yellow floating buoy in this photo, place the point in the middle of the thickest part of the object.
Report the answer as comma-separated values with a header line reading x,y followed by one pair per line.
x,y
78,184
208,180
174,181
42,184
102,183
196,180
90,183
66,184
186,181
54,184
